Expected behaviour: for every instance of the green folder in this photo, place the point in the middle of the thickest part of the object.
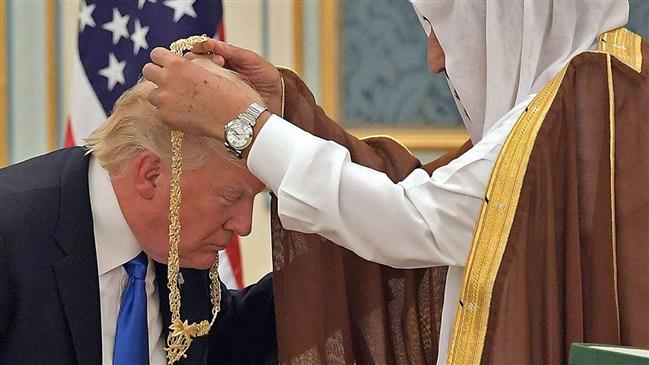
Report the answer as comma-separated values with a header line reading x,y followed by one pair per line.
x,y
596,354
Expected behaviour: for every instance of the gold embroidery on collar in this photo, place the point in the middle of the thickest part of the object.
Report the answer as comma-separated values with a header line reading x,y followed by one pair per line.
x,y
624,45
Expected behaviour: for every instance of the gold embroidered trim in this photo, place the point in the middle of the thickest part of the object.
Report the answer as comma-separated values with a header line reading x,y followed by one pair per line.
x,y
624,45
281,78
279,67
497,215
492,231
611,103
284,85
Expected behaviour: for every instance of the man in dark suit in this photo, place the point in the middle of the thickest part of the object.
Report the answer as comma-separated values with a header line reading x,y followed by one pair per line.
x,y
71,221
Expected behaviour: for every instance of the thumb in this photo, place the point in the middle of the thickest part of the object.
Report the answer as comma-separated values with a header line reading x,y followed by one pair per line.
x,y
237,59
204,47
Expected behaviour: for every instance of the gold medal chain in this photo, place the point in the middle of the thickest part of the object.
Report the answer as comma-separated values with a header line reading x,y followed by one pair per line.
x,y
182,333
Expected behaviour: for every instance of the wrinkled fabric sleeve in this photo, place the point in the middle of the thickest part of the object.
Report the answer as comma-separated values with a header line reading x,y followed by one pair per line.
x,y
419,222
425,217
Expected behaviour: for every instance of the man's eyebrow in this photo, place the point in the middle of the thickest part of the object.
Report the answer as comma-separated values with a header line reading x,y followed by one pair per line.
x,y
238,189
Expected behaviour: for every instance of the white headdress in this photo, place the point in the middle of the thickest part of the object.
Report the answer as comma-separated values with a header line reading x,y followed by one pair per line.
x,y
499,52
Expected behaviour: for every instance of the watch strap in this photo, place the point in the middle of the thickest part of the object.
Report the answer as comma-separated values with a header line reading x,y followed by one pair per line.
x,y
253,112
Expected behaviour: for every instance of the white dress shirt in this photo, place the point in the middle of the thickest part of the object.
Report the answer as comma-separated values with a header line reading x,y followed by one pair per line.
x,y
422,221
116,245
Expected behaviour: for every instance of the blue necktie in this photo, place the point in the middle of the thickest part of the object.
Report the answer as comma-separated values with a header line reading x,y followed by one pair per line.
x,y
132,335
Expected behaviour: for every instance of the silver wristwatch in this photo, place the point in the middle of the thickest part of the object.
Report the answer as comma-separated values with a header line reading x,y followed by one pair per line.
x,y
238,132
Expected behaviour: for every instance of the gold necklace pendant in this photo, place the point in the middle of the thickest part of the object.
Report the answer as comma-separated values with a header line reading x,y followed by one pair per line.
x,y
182,333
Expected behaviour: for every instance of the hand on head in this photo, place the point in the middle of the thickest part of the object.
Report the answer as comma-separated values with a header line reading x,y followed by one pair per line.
x,y
204,50
262,74
190,98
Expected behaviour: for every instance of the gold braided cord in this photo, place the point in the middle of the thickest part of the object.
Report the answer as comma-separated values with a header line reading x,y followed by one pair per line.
x,y
185,44
182,333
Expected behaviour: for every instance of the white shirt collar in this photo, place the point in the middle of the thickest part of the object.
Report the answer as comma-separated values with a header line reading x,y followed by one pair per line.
x,y
115,242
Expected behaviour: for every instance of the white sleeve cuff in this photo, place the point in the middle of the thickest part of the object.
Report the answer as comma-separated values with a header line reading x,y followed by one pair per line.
x,y
273,149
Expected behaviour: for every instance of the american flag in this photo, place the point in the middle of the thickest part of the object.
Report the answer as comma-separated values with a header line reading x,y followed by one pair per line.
x,y
115,39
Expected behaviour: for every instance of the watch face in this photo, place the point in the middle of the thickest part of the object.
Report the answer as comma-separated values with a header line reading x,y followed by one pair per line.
x,y
238,134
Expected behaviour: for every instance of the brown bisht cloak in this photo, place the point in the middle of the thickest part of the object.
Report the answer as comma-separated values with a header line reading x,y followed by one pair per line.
x,y
560,254
561,251
333,307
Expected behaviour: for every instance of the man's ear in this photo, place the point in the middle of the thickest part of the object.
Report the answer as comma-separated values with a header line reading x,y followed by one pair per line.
x,y
147,168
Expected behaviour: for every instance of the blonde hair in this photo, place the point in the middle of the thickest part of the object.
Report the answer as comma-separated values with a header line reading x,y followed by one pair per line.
x,y
134,126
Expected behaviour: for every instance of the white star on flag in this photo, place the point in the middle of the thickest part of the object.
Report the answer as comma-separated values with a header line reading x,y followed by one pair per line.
x,y
114,72
140,3
181,7
139,37
85,16
117,26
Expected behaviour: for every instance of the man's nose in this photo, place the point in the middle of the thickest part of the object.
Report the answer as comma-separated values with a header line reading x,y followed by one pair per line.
x,y
241,220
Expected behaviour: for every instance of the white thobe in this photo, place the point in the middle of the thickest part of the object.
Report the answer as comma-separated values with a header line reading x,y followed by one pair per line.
x,y
422,221
116,245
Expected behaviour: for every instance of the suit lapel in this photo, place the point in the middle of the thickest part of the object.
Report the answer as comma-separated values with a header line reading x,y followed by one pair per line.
x,y
195,307
77,274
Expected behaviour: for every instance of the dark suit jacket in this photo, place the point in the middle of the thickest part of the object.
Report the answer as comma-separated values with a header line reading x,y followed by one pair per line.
x,y
49,288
